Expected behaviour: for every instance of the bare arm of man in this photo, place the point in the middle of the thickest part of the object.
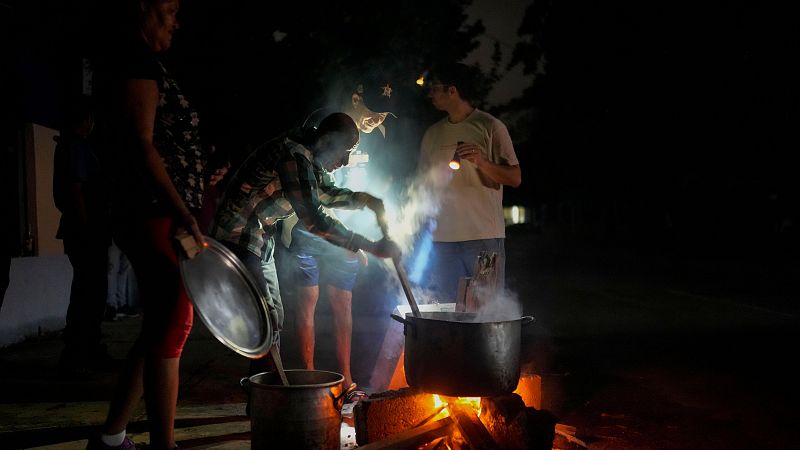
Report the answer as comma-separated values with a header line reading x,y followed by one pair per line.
x,y
500,173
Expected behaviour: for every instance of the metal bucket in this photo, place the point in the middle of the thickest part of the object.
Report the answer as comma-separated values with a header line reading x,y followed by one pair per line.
x,y
304,415
456,354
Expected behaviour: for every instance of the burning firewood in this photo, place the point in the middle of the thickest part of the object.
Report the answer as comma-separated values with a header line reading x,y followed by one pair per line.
x,y
436,444
413,437
568,432
472,428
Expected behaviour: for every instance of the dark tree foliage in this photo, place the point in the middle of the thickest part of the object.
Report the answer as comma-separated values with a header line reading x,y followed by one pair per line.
x,y
261,67
663,123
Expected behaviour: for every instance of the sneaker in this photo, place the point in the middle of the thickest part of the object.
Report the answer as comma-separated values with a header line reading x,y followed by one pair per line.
x,y
95,443
354,395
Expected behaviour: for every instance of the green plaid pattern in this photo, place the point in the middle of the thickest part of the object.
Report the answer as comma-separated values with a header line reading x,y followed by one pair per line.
x,y
279,179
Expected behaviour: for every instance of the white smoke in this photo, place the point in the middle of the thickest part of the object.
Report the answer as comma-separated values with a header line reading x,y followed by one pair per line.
x,y
497,306
422,202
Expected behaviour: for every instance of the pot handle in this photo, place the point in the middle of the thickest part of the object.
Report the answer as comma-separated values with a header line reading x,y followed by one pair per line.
x,y
406,323
401,320
527,320
338,400
245,384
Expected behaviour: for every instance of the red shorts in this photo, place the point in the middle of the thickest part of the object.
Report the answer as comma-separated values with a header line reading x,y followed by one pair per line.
x,y
167,312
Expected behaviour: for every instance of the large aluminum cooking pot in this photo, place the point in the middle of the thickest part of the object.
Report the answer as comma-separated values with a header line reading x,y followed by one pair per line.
x,y
305,415
460,355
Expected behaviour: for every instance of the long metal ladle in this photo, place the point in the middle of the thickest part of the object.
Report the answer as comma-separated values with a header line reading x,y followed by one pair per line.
x,y
276,358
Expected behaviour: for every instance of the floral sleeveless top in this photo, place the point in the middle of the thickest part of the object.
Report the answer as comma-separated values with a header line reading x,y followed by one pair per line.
x,y
176,137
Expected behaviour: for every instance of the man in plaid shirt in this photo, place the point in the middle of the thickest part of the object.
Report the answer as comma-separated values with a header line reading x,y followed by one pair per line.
x,y
287,176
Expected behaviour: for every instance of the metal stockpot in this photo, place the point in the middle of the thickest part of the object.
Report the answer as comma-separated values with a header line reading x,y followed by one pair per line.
x,y
455,354
304,415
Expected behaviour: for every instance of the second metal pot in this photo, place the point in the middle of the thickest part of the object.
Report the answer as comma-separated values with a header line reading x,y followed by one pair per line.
x,y
456,354
304,415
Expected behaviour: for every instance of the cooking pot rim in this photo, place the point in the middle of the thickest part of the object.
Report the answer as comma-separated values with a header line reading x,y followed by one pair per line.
x,y
257,384
444,314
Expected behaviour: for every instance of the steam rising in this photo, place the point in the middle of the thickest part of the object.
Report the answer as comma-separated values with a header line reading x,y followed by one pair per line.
x,y
421,203
498,306
408,210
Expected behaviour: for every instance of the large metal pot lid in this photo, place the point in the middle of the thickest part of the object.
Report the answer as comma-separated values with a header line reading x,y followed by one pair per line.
x,y
228,300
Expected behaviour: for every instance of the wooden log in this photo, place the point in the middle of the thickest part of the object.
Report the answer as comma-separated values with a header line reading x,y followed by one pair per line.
x,y
413,437
484,281
506,420
436,444
471,302
472,428
568,432
461,295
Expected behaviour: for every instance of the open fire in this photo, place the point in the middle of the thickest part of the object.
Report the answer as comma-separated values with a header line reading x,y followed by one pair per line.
x,y
411,419
443,401
448,422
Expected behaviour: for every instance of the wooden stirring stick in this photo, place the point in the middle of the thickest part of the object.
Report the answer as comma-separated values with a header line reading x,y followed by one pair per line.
x,y
401,273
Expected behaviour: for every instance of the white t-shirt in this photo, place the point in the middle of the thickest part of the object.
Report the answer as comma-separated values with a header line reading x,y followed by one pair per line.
x,y
471,202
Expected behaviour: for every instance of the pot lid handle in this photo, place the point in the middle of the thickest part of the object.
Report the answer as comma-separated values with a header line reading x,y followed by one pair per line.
x,y
527,320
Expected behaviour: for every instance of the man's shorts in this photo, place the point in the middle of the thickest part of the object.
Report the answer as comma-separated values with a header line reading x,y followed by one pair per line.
x,y
317,262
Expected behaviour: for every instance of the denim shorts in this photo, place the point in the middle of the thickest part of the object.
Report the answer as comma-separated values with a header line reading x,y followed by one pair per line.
x,y
317,261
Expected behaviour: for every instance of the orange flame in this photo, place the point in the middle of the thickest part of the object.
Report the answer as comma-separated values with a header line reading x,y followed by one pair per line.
x,y
438,402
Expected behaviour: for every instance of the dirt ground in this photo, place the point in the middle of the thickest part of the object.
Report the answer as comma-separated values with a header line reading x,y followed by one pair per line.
x,y
637,351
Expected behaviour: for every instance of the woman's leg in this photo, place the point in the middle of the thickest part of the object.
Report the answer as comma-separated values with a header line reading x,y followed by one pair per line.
x,y
127,394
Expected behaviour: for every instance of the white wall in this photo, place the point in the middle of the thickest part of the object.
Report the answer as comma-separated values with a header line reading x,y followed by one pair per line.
x,y
38,294
37,297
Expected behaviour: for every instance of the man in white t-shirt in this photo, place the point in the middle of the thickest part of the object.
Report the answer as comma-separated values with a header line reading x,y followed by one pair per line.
x,y
470,218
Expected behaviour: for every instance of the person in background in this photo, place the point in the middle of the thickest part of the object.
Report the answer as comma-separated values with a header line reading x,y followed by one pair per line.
x,y
159,180
470,218
80,191
284,177
123,293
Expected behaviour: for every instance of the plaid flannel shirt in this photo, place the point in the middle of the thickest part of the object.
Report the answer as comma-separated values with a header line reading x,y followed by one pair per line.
x,y
276,180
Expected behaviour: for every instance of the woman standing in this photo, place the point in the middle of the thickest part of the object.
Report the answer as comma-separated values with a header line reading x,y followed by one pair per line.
x,y
159,190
